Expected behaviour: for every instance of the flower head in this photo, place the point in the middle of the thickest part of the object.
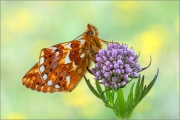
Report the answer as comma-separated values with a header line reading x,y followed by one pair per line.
x,y
116,65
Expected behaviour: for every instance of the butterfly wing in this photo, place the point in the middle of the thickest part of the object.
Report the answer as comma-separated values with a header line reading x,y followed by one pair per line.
x,y
33,80
60,67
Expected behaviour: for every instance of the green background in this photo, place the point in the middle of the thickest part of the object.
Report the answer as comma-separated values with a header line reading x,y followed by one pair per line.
x,y
151,27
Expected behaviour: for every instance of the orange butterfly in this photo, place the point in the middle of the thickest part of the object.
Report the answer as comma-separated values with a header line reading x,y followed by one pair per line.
x,y
61,67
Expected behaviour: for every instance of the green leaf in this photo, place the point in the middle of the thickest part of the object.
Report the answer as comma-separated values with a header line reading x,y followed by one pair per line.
x,y
129,108
130,96
140,90
152,83
112,97
104,99
99,89
109,106
143,93
137,85
91,87
121,101
108,94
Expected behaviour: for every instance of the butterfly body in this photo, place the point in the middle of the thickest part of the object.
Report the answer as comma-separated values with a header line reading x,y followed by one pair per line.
x,y
61,67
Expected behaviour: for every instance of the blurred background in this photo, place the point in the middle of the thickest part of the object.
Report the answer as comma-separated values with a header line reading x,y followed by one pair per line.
x,y
150,27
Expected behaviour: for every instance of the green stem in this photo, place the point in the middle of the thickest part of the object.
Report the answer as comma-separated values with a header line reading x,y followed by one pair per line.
x,y
120,105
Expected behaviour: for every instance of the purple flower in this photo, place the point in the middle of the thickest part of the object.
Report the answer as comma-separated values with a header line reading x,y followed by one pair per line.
x,y
116,65
101,53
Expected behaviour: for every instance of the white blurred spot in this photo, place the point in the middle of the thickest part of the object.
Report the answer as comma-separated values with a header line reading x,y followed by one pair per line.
x,y
73,65
57,53
42,60
49,82
53,48
57,86
82,55
42,68
68,46
68,79
80,50
44,76
42,53
67,59
82,41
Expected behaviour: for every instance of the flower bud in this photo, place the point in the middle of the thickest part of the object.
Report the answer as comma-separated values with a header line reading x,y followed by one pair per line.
x,y
139,68
130,52
104,58
110,46
123,46
134,74
125,53
116,46
125,76
120,51
111,66
114,53
107,74
118,71
103,81
101,53
128,70
126,65
99,59
109,53
119,57
111,58
130,59
99,73
116,66
123,83
115,86
106,84
120,62
108,63
93,70
96,78
106,68
114,79
97,65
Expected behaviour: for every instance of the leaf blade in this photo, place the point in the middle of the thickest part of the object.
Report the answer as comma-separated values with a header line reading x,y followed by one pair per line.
x,y
91,87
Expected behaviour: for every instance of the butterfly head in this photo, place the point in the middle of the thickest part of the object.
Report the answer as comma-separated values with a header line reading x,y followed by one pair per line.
x,y
91,30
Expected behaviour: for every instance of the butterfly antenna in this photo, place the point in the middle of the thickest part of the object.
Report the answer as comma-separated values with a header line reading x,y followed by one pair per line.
x,y
79,36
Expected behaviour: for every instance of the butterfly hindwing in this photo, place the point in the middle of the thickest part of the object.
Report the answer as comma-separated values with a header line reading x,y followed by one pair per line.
x,y
60,68
33,80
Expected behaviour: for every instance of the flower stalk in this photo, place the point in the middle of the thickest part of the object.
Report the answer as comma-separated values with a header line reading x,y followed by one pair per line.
x,y
115,100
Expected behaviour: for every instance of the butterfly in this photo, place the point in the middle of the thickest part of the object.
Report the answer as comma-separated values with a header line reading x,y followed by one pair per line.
x,y
61,67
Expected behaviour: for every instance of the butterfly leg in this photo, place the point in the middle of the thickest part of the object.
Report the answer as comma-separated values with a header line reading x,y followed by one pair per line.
x,y
104,41
89,70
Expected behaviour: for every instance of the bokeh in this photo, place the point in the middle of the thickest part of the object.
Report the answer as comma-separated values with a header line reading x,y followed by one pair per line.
x,y
150,27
